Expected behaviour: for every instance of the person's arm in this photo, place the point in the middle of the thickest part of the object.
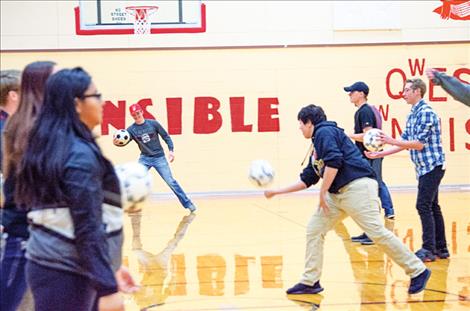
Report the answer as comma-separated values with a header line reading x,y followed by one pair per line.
x,y
166,137
458,90
402,144
384,153
308,177
360,136
328,177
83,189
299,185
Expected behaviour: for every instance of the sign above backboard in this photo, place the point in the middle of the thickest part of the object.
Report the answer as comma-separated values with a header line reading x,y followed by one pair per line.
x,y
102,17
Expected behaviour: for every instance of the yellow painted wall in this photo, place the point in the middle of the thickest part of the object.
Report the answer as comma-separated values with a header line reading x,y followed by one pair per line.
x,y
296,76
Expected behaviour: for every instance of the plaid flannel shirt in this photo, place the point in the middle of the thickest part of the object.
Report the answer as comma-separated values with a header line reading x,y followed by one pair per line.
x,y
423,125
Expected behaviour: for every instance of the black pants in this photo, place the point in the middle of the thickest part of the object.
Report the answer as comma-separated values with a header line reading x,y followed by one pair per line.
x,y
59,290
427,204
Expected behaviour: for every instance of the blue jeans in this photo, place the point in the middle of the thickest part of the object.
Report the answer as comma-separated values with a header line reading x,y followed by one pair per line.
x,y
12,273
163,168
384,194
427,204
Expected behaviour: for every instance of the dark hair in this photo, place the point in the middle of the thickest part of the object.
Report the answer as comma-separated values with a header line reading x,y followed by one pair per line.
x,y
417,84
41,170
19,124
312,113
9,81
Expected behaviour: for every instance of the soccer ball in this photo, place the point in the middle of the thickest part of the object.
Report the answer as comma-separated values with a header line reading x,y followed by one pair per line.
x,y
123,137
261,173
371,140
136,184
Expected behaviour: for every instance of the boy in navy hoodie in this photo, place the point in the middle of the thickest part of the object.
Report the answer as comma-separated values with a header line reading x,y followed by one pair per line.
x,y
349,188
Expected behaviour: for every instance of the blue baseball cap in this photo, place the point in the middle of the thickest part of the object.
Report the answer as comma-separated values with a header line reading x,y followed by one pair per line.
x,y
358,86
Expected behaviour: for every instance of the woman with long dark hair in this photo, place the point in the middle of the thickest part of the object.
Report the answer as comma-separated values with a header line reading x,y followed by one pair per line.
x,y
14,222
74,197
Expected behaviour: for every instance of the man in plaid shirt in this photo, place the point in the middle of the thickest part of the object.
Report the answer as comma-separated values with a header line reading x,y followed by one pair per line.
x,y
422,136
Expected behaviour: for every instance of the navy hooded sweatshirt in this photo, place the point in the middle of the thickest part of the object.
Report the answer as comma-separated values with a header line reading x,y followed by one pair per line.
x,y
333,148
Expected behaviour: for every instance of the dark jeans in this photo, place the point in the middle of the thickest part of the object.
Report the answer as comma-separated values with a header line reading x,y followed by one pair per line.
x,y
12,273
59,290
384,194
427,204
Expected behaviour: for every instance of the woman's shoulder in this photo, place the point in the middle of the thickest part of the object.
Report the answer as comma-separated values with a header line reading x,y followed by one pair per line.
x,y
83,153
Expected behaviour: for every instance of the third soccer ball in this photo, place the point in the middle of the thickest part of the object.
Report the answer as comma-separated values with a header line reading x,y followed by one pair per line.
x,y
261,173
371,140
136,183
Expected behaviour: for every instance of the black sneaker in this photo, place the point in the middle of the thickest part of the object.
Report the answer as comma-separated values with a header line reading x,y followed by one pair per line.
x,y
367,241
359,238
425,255
302,289
442,253
419,282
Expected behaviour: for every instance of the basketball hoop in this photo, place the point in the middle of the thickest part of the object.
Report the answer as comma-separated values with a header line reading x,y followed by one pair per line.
x,y
141,18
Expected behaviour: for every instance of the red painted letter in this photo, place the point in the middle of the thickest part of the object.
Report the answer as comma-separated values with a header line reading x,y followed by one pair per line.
x,y
237,113
174,112
116,116
396,128
387,83
416,66
265,112
451,134
206,117
467,128
144,103
461,71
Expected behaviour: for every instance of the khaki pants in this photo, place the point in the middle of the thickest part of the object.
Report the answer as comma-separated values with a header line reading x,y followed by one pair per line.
x,y
358,199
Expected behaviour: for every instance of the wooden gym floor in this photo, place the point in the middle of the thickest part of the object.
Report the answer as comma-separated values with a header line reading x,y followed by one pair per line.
x,y
243,253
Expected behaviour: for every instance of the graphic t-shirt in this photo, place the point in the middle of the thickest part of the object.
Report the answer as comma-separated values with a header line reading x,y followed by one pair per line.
x,y
147,137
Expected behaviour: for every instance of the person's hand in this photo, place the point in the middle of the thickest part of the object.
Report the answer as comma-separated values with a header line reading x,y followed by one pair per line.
x,y
323,205
430,73
373,154
384,138
269,194
113,302
126,283
171,156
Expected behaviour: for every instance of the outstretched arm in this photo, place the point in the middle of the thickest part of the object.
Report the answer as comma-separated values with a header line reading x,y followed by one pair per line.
x,y
458,90
300,185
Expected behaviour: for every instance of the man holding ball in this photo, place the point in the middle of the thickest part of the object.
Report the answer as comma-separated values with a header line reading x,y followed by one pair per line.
x,y
146,133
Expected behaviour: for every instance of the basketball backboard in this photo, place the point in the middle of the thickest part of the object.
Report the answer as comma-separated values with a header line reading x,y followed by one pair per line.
x,y
104,17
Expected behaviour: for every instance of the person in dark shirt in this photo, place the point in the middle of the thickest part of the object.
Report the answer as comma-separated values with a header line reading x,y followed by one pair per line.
x,y
9,100
368,117
14,221
349,188
146,133
73,197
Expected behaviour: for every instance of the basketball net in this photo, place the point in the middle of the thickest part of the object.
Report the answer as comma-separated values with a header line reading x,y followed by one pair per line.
x,y
141,15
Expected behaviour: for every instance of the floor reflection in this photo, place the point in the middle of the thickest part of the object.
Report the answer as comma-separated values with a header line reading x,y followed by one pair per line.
x,y
242,254
163,273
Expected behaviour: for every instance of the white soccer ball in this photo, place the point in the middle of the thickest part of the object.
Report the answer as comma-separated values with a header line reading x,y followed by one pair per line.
x,y
121,137
261,173
136,184
371,140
